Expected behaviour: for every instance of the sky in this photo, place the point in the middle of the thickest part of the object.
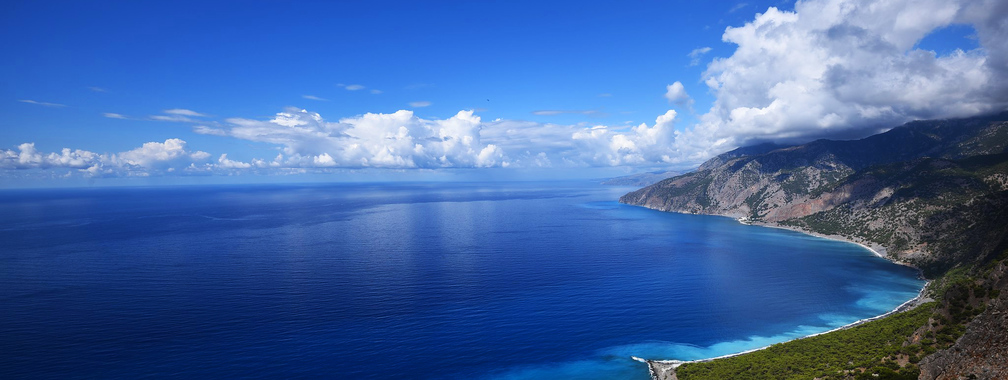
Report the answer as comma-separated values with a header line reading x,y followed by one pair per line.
x,y
270,91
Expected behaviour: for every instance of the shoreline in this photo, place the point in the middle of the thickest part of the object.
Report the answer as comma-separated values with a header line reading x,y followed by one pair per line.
x,y
665,369
875,249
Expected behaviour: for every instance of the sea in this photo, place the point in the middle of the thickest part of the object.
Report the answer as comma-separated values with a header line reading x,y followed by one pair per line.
x,y
515,280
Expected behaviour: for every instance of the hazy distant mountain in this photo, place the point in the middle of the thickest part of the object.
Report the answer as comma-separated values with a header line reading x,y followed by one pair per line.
x,y
641,179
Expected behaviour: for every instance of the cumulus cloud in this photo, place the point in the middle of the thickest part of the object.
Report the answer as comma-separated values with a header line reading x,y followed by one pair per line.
x,y
676,94
157,154
225,163
27,157
395,140
848,68
149,158
641,145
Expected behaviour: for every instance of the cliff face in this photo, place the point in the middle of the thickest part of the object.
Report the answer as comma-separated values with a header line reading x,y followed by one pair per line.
x,y
982,351
933,193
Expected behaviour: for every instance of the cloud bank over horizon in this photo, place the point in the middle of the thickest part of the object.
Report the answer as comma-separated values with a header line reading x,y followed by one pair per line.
x,y
827,69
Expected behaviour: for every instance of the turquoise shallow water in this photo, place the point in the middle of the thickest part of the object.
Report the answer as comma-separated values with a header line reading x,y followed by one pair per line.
x,y
505,281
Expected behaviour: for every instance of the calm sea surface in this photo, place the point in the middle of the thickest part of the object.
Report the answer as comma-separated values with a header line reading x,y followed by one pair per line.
x,y
453,281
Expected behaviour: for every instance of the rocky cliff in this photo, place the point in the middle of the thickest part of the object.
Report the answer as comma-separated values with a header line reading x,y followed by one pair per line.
x,y
931,194
923,190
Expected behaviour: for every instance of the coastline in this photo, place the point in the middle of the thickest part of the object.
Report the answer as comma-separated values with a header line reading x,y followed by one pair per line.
x,y
665,369
875,249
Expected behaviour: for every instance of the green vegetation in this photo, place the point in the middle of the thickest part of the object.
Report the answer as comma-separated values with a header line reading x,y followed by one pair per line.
x,y
754,202
932,203
888,348
933,193
872,348
699,181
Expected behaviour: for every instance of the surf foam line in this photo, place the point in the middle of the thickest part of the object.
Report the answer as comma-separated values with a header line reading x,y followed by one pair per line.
x,y
662,369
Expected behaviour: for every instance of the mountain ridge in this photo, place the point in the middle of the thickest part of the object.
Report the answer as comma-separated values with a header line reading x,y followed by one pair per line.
x,y
930,194
892,189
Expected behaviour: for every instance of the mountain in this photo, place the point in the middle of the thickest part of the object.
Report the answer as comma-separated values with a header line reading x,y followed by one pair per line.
x,y
640,179
921,191
930,194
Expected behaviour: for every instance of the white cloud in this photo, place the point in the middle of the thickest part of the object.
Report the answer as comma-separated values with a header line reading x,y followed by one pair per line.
x,y
846,68
157,155
420,104
641,145
313,97
150,158
491,156
830,68
737,7
225,163
513,136
112,115
676,94
396,140
173,118
698,53
183,112
27,157
97,89
324,160
376,92
205,130
352,87
178,115
46,104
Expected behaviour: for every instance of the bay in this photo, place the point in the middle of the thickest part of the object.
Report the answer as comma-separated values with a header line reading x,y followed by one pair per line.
x,y
538,280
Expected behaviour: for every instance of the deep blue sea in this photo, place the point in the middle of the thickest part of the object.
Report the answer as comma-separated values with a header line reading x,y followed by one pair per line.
x,y
416,281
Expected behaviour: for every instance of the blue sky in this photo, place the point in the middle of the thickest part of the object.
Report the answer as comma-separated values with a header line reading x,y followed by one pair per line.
x,y
174,90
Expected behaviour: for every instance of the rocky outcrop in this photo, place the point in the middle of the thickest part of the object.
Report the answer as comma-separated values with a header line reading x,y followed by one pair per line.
x,y
982,351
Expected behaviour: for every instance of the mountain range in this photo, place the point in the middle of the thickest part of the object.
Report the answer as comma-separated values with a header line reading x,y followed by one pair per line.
x,y
930,194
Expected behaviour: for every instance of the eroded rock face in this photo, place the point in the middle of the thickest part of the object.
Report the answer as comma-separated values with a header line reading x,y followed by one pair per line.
x,y
933,194
982,352
916,190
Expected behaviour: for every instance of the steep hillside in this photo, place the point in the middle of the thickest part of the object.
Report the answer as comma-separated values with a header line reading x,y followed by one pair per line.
x,y
641,179
932,194
919,190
